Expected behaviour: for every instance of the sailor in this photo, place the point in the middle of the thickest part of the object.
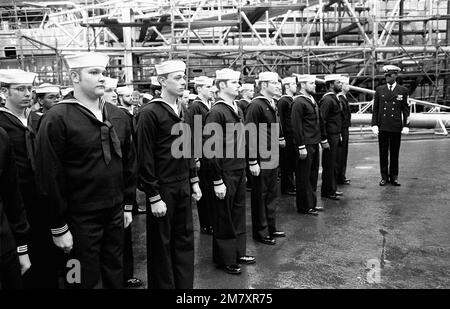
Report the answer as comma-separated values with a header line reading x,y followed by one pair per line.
x,y
331,110
288,154
228,176
200,107
167,181
262,112
341,165
17,86
86,170
47,95
14,259
308,132
247,92
110,95
390,119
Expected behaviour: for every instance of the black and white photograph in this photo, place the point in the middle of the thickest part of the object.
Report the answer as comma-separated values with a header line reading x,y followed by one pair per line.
x,y
209,148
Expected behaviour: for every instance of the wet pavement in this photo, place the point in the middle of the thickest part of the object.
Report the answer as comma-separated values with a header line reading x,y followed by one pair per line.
x,y
333,250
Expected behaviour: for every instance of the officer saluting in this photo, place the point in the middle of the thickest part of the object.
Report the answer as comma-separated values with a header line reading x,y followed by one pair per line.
x,y
390,118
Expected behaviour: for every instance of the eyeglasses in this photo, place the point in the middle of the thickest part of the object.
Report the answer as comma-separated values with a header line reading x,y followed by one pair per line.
x,y
23,88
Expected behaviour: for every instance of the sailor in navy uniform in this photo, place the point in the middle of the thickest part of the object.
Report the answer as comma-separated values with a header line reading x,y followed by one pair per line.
x,y
288,153
390,119
167,182
247,92
17,86
200,107
331,111
86,170
262,112
341,165
228,176
308,131
47,95
14,259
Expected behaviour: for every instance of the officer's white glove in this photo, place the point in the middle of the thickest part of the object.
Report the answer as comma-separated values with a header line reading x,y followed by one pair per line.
x,y
375,130
196,192
220,191
159,209
405,130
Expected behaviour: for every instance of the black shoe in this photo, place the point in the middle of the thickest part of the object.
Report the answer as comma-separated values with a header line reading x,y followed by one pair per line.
x,y
267,240
319,208
332,197
247,259
133,283
339,193
346,182
311,212
395,183
278,234
231,269
383,182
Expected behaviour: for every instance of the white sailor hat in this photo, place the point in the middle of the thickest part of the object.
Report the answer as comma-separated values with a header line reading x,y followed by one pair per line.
x,y
124,90
16,76
332,77
186,92
305,78
66,91
247,87
147,96
345,79
203,80
288,80
154,81
227,74
192,96
47,88
391,68
86,59
268,77
170,66
111,82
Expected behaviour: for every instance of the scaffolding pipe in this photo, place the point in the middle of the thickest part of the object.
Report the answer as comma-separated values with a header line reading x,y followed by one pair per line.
x,y
416,120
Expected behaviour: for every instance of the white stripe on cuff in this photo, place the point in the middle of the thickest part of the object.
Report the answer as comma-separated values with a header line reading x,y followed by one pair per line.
x,y
194,180
218,182
128,208
252,162
60,230
154,199
22,249
323,142
302,147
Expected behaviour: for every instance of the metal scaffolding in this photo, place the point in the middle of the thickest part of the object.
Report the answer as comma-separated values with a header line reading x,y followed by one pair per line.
x,y
295,36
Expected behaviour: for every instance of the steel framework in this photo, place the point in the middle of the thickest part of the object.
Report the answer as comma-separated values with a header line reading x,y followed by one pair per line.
x,y
293,36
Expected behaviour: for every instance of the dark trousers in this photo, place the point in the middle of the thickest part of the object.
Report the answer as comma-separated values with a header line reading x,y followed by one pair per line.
x,y
46,259
98,245
170,240
329,156
306,175
205,205
128,258
263,204
287,167
10,277
229,238
389,144
342,155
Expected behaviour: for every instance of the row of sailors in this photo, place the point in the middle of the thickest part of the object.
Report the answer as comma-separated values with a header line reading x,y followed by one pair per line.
x,y
77,175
